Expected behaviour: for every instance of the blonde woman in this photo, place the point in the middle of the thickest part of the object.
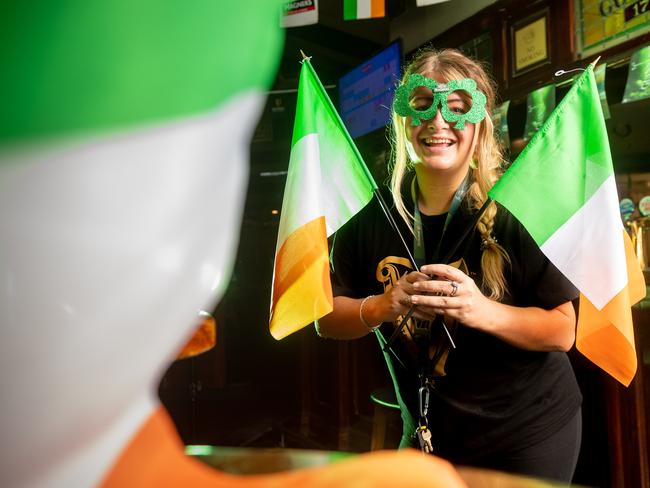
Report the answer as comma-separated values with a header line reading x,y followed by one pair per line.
x,y
486,344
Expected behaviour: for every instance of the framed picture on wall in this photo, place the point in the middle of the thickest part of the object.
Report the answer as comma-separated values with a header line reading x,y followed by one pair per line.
x,y
601,24
480,47
529,43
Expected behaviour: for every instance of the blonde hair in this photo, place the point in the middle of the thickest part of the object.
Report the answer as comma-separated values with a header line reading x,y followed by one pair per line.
x,y
450,64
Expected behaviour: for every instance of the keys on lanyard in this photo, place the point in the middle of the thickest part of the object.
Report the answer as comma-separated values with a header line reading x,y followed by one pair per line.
x,y
422,433
424,439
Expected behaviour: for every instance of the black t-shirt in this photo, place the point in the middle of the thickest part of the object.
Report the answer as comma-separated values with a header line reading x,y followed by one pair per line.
x,y
494,397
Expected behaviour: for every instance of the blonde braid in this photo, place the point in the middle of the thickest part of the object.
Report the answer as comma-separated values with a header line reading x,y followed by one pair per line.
x,y
493,257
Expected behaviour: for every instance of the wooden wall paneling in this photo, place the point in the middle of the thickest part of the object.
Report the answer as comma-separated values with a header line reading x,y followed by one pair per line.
x,y
307,377
344,395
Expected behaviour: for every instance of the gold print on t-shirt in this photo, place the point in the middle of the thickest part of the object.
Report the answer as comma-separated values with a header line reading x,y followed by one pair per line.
x,y
461,265
389,271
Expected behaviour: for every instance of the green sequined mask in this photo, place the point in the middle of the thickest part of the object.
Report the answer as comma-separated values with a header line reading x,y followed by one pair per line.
x,y
440,91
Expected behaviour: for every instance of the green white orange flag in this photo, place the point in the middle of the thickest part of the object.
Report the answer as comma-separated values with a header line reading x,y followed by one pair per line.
x,y
327,183
563,191
125,131
363,9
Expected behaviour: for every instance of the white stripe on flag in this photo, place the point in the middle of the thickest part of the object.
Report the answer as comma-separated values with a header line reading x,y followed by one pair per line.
x,y
363,9
588,247
104,230
304,181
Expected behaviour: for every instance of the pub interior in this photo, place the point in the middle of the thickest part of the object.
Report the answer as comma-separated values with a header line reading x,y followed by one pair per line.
x,y
305,392
145,165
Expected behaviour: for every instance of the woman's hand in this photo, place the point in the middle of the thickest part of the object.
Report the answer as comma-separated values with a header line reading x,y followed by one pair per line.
x,y
455,295
397,301
451,293
349,320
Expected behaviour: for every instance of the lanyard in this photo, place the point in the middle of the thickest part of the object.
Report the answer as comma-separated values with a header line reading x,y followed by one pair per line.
x,y
419,254
418,234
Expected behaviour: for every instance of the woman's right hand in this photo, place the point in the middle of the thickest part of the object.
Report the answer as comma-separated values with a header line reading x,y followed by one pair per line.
x,y
345,321
396,301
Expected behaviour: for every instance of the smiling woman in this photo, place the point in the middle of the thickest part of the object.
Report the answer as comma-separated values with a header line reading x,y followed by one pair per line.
x,y
485,344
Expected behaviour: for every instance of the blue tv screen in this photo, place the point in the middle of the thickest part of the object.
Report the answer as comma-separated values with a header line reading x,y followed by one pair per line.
x,y
366,92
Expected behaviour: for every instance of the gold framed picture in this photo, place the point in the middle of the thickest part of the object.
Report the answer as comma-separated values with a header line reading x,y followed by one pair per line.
x,y
529,42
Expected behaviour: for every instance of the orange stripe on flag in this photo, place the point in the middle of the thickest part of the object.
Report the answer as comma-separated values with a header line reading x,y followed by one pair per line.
x,y
155,457
377,8
606,336
302,291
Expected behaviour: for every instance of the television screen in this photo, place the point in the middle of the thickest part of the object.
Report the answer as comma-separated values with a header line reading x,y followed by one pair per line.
x,y
366,92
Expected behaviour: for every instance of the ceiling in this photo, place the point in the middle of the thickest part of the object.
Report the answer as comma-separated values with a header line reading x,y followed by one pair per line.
x,y
336,46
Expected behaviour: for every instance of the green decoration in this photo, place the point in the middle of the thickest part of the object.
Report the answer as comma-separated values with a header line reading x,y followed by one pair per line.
x,y
627,208
638,78
500,121
440,93
540,104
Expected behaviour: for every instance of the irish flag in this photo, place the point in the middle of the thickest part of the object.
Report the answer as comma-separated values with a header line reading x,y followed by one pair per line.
x,y
124,138
363,9
327,183
563,191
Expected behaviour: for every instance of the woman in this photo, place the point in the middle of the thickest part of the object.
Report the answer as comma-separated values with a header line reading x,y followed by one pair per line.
x,y
501,392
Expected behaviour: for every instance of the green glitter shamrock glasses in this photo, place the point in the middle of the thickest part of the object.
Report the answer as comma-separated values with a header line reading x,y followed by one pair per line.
x,y
440,91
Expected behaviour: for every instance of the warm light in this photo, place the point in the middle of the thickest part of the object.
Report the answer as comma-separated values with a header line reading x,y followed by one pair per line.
x,y
274,211
198,450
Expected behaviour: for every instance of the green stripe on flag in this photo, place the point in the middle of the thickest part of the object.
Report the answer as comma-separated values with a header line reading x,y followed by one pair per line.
x,y
562,166
315,113
346,183
349,9
74,65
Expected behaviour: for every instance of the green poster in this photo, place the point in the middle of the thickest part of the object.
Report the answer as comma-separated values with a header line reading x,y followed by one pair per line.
x,y
638,78
599,73
500,121
540,104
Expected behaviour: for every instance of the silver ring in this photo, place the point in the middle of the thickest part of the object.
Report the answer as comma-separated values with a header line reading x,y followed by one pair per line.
x,y
454,288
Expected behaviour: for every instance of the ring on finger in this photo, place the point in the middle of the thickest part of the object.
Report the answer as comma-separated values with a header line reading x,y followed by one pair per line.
x,y
454,288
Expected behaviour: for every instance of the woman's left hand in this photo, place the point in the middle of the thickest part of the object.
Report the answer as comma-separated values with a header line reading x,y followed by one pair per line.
x,y
452,293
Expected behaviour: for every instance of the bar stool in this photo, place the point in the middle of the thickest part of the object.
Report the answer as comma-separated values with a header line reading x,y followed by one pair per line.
x,y
385,406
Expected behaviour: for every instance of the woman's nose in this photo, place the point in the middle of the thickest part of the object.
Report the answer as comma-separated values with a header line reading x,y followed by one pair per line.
x,y
437,122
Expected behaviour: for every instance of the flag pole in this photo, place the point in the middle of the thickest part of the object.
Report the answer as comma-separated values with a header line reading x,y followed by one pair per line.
x,y
337,117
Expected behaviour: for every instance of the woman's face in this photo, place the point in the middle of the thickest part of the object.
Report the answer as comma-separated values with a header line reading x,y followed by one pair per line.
x,y
436,144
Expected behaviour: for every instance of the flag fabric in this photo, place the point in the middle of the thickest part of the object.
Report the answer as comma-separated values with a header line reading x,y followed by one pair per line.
x,y
562,189
327,183
300,12
124,138
363,9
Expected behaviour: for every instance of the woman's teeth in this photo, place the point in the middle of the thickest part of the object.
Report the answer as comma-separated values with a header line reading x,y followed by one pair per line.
x,y
437,141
